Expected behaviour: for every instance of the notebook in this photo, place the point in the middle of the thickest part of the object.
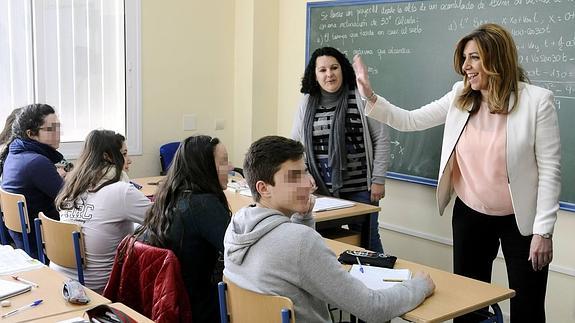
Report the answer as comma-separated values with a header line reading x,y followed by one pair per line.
x,y
16,260
330,203
380,278
12,288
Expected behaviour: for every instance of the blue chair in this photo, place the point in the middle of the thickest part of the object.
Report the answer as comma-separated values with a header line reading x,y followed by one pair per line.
x,y
239,305
3,232
15,216
61,242
167,152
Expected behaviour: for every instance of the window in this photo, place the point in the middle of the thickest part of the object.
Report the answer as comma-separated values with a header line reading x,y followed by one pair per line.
x,y
81,57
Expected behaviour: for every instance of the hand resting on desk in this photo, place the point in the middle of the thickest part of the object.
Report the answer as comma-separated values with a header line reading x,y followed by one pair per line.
x,y
427,278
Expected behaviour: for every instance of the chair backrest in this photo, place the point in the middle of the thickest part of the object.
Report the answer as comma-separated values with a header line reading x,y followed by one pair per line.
x,y
11,210
61,242
239,305
167,152
238,170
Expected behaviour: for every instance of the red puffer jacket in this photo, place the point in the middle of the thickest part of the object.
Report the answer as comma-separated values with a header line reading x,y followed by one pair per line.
x,y
148,279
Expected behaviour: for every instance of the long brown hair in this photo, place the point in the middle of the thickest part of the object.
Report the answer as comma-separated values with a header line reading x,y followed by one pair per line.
x,y
193,170
499,61
102,151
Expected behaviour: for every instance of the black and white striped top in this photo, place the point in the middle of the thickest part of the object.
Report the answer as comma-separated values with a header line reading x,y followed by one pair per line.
x,y
355,174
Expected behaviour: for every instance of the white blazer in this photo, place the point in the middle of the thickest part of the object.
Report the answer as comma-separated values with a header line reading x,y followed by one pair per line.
x,y
533,149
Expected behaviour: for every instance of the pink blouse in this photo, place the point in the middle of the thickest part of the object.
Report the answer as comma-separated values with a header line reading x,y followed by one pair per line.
x,y
480,169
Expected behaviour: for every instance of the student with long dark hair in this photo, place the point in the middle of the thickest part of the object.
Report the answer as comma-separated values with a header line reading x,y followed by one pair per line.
x,y
190,216
27,164
98,196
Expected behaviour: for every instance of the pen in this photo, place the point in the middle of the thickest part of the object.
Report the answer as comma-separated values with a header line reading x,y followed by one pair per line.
x,y
136,185
25,281
20,309
359,263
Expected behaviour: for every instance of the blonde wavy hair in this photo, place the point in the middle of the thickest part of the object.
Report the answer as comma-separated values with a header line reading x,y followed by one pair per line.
x,y
500,63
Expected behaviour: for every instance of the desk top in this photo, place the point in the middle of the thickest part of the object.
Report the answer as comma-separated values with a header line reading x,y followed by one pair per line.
x,y
50,291
454,295
237,201
80,313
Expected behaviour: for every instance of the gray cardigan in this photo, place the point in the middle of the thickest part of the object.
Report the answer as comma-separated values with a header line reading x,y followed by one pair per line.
x,y
376,140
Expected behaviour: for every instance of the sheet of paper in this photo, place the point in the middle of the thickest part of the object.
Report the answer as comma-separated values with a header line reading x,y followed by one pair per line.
x,y
379,278
329,203
16,260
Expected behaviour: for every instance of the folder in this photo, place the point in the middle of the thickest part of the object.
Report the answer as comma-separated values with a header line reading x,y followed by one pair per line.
x,y
10,288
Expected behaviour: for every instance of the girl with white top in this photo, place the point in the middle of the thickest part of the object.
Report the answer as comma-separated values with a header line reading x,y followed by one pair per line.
x,y
98,196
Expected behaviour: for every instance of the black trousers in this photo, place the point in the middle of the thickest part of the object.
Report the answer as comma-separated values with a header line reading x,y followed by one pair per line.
x,y
476,239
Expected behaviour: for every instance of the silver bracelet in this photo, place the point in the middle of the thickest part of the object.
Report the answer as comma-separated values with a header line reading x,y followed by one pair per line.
x,y
365,98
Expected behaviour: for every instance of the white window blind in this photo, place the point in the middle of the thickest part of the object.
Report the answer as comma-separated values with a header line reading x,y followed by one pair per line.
x,y
73,55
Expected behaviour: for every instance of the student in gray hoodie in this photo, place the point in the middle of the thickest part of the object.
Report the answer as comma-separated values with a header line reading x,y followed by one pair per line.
x,y
271,247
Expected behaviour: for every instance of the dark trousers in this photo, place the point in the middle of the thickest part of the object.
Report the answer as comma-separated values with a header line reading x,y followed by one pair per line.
x,y
476,239
18,239
374,238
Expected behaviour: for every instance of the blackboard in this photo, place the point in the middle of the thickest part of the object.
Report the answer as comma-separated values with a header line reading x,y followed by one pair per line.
x,y
409,45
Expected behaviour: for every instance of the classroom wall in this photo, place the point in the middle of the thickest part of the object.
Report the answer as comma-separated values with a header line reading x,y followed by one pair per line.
x,y
187,69
417,232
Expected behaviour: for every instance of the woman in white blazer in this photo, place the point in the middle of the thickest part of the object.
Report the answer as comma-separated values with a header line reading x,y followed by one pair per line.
x,y
501,156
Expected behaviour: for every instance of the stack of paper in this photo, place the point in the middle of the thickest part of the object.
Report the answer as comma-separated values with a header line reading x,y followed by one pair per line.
x,y
10,288
379,278
16,260
330,203
239,187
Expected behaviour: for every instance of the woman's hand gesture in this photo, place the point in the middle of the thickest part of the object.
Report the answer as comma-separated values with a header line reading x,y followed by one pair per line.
x,y
362,77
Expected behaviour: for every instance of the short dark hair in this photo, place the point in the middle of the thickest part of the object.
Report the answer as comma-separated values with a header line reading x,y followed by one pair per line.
x,y
265,157
309,84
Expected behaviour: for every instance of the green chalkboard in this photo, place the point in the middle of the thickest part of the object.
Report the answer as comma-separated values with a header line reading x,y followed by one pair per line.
x,y
409,47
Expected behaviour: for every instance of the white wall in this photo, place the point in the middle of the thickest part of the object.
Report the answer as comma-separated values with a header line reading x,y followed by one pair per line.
x,y
187,68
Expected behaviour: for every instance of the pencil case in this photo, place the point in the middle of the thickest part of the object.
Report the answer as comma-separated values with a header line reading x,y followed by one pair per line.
x,y
371,258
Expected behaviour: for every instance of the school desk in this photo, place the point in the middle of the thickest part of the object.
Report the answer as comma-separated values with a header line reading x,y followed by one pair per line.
x,y
81,313
49,290
454,295
359,213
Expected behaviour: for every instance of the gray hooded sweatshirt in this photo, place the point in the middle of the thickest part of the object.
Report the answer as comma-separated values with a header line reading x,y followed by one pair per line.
x,y
269,253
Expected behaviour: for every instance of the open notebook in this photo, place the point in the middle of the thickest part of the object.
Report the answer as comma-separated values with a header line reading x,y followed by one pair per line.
x,y
380,278
329,203
16,260
12,288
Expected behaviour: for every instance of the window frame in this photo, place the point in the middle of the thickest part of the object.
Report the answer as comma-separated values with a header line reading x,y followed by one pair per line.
x,y
133,85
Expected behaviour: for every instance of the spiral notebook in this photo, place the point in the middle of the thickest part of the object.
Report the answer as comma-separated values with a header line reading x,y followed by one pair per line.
x,y
12,288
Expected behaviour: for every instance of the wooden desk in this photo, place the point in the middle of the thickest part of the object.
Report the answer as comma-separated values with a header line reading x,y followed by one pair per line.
x,y
81,313
50,291
454,295
359,213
